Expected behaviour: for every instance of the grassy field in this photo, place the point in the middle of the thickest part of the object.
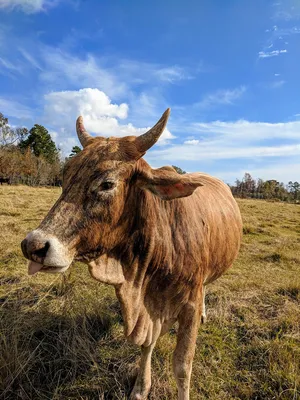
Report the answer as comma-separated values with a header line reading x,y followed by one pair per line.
x,y
61,336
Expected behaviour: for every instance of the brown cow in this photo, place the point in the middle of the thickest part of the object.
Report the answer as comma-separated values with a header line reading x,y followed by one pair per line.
x,y
157,236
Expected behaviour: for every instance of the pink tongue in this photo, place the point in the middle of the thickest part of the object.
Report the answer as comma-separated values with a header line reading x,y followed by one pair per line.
x,y
34,267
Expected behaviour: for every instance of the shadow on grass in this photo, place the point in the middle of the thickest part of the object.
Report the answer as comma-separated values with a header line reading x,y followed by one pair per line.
x,y
44,355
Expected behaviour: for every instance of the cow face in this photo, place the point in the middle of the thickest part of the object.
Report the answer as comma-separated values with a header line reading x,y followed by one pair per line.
x,y
91,216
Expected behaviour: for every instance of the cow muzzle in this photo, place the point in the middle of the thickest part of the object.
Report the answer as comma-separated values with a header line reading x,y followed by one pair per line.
x,y
45,253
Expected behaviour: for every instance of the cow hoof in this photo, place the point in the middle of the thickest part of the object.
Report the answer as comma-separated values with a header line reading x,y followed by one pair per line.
x,y
203,319
139,394
136,396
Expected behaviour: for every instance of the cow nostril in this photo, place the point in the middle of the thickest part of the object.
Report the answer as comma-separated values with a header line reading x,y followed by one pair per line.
x,y
41,253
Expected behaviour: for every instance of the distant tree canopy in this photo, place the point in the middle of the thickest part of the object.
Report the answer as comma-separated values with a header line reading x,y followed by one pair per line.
x,y
294,188
270,189
28,157
75,150
40,143
179,170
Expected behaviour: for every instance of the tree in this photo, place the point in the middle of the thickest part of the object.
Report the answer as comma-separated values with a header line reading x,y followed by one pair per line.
x,y
238,187
75,150
248,184
9,135
40,143
179,170
294,188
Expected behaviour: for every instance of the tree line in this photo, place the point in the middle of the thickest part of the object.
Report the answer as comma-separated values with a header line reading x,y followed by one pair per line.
x,y
269,189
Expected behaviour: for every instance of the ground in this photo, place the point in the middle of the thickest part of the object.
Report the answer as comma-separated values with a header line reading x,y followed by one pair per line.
x,y
61,336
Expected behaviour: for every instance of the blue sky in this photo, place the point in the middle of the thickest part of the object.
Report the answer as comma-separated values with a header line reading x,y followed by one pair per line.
x,y
229,70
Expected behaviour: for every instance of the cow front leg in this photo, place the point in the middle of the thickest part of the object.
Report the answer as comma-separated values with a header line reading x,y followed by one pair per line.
x,y
189,319
143,381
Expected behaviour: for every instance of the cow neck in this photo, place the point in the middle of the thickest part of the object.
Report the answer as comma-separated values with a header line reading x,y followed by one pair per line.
x,y
143,256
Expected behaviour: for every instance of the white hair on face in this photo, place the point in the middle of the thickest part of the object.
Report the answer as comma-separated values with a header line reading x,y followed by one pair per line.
x,y
57,257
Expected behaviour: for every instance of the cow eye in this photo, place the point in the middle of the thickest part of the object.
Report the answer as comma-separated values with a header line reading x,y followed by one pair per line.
x,y
107,185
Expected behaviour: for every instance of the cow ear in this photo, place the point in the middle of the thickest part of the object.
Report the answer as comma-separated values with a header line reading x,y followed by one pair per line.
x,y
166,183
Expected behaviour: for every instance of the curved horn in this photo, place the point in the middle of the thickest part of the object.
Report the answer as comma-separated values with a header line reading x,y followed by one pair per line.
x,y
147,140
82,134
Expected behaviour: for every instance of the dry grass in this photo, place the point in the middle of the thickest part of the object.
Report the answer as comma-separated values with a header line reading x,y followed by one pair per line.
x,y
61,336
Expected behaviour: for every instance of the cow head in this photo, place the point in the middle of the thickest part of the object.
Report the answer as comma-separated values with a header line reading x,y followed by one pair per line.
x,y
101,186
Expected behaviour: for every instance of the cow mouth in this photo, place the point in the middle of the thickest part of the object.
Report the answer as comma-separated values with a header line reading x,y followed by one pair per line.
x,y
35,267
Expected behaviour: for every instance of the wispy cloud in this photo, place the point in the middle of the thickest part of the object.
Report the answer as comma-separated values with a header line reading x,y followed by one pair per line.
x,y
247,131
28,6
277,84
221,97
286,14
191,141
172,74
62,67
7,64
28,57
4,63
274,53
204,152
114,76
286,10
11,108
141,72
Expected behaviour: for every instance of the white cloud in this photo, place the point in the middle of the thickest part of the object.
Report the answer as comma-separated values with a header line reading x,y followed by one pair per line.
x,y
274,53
27,6
90,103
100,116
234,140
221,97
192,141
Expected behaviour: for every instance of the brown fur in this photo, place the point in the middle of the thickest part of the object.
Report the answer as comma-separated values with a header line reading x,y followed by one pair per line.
x,y
157,236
